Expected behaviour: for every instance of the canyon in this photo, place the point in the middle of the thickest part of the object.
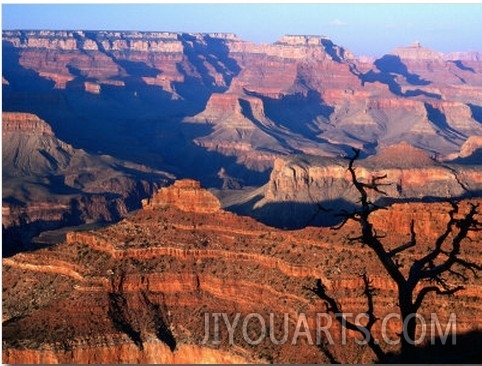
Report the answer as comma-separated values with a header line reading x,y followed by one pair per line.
x,y
217,109
139,290
300,184
246,102
48,184
151,178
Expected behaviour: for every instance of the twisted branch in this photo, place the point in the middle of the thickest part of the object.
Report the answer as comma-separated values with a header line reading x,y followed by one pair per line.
x,y
335,308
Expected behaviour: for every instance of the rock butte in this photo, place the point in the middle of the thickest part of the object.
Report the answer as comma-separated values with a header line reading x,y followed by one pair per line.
x,y
186,195
299,183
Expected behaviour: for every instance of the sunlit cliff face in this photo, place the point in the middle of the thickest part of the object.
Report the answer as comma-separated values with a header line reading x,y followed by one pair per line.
x,y
139,291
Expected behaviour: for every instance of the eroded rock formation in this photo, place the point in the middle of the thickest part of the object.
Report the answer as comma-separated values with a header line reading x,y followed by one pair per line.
x,y
139,290
299,94
48,183
194,105
186,195
312,190
471,147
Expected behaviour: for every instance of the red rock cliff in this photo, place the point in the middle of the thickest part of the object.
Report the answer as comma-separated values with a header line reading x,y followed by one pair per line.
x,y
186,195
164,268
24,123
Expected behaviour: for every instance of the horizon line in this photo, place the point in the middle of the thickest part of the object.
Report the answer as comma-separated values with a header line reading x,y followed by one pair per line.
x,y
230,34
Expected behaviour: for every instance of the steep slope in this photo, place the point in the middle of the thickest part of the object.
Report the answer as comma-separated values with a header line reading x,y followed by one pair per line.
x,y
48,183
243,105
215,108
277,97
321,101
470,152
122,94
142,289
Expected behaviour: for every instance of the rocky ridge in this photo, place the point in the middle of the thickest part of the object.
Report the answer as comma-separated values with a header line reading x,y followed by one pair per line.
x,y
48,184
471,147
196,105
299,184
138,291
299,94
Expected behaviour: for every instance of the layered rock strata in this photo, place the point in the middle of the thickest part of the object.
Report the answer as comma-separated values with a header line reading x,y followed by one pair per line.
x,y
142,289
299,94
311,190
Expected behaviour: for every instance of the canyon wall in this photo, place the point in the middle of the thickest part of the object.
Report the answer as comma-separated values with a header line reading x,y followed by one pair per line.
x,y
311,190
100,114
143,289
250,103
48,184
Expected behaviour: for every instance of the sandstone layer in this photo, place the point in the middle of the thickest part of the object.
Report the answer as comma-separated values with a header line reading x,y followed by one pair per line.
x,y
311,190
198,104
139,290
185,195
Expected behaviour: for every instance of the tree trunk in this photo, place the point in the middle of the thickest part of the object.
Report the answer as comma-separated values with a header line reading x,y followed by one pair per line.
x,y
407,312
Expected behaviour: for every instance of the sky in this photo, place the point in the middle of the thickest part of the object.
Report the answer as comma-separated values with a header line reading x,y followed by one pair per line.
x,y
364,29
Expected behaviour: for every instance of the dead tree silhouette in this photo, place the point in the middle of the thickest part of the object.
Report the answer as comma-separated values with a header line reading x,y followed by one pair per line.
x,y
431,273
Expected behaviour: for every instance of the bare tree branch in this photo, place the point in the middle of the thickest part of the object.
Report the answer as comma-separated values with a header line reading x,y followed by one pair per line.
x,y
459,275
375,185
369,292
356,238
376,207
411,243
473,267
346,217
378,236
340,225
368,236
464,225
419,264
442,260
426,290
331,357
334,307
